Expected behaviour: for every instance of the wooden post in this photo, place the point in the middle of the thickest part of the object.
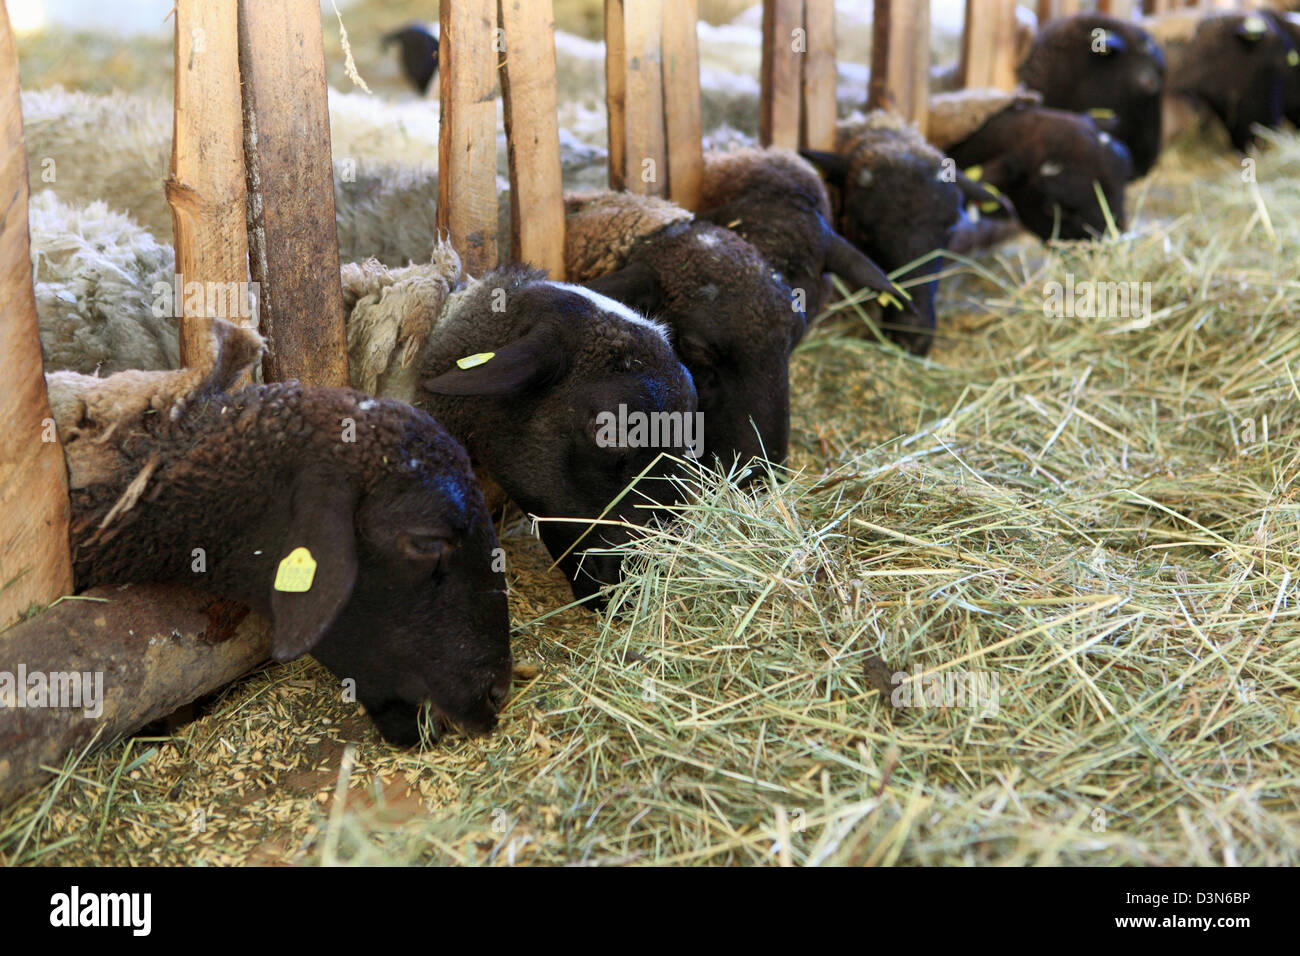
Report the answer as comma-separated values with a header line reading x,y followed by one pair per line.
x,y
1123,9
646,163
532,135
35,566
616,93
988,51
1052,9
155,648
779,116
206,187
683,132
292,240
467,130
900,60
819,115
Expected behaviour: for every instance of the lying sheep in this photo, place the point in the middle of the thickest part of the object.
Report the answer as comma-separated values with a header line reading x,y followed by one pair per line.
x,y
531,375
174,479
1230,63
898,201
733,321
775,199
1102,65
1045,161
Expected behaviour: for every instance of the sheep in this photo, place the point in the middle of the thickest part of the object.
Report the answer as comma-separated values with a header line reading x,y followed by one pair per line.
x,y
529,375
1288,24
370,502
419,49
1102,65
775,199
897,200
1229,62
1045,161
734,321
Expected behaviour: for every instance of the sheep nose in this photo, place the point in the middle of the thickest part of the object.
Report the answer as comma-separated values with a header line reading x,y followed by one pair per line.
x,y
498,693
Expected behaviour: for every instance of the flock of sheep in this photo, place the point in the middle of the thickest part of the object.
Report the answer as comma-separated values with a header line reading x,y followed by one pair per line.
x,y
361,521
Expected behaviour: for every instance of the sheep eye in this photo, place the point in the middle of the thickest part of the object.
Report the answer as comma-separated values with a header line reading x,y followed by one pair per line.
x,y
424,546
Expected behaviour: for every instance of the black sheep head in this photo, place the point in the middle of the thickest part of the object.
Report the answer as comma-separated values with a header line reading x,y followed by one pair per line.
x,y
1049,163
734,323
1235,64
1104,66
1288,25
419,54
554,421
408,596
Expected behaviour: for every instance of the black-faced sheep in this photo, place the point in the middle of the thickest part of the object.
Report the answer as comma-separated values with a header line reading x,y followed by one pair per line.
x,y
1288,24
244,493
1045,161
733,320
775,199
897,201
529,374
1102,65
419,49
1232,63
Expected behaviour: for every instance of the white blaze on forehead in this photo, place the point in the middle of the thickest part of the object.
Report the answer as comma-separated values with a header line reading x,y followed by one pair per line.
x,y
613,307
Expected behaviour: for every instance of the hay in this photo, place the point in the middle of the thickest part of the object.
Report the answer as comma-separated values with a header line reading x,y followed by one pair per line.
x,y
1098,514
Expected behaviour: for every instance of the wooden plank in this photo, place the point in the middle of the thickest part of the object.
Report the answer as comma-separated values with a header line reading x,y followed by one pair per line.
x,y
467,131
616,93
646,168
681,96
155,647
206,188
1051,9
292,240
819,114
1117,8
532,135
900,59
35,566
780,83
989,44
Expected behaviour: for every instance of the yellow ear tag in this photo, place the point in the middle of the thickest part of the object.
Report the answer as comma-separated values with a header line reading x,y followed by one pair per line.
x,y
1293,58
296,571
975,172
886,299
478,358
1101,112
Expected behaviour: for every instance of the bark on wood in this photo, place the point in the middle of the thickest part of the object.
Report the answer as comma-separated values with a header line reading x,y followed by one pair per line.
x,y
155,647
35,566
206,189
467,131
293,241
780,92
532,135
681,97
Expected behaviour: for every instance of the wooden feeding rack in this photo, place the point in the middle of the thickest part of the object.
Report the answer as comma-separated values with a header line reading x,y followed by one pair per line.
x,y
900,60
797,80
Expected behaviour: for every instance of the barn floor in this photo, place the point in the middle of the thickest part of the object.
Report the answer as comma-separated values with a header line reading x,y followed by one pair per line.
x,y
1098,515
1095,516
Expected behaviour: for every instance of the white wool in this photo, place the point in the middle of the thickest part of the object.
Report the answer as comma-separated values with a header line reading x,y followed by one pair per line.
x,y
617,308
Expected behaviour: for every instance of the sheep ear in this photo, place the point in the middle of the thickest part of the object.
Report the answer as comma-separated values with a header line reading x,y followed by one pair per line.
x,y
833,166
1252,28
636,286
317,564
1003,172
854,266
526,363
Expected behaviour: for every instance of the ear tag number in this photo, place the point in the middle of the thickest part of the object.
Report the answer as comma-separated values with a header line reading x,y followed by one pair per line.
x,y
478,358
296,571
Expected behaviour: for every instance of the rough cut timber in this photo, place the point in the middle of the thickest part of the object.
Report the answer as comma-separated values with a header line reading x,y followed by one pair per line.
x,y
467,131
988,50
1051,9
646,164
819,76
900,60
681,97
156,648
206,189
293,241
532,132
35,566
615,93
780,79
